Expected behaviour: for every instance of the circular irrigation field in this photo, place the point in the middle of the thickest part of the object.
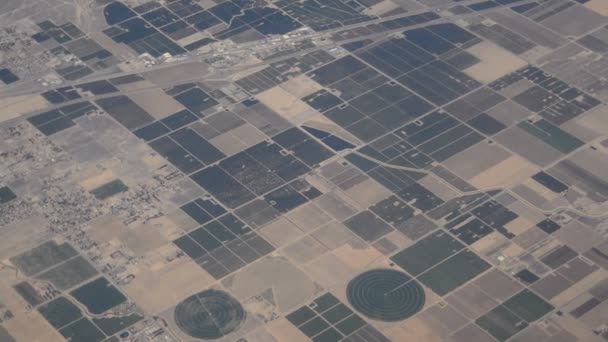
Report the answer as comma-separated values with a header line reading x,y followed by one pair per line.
x,y
385,295
210,314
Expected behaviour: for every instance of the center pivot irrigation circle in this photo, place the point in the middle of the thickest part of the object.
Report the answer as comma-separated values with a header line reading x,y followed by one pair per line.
x,y
385,295
210,314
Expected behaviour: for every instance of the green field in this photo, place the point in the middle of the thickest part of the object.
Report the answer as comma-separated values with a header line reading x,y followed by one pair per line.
x,y
60,312
501,323
454,272
528,306
82,331
70,273
552,135
427,253
98,296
